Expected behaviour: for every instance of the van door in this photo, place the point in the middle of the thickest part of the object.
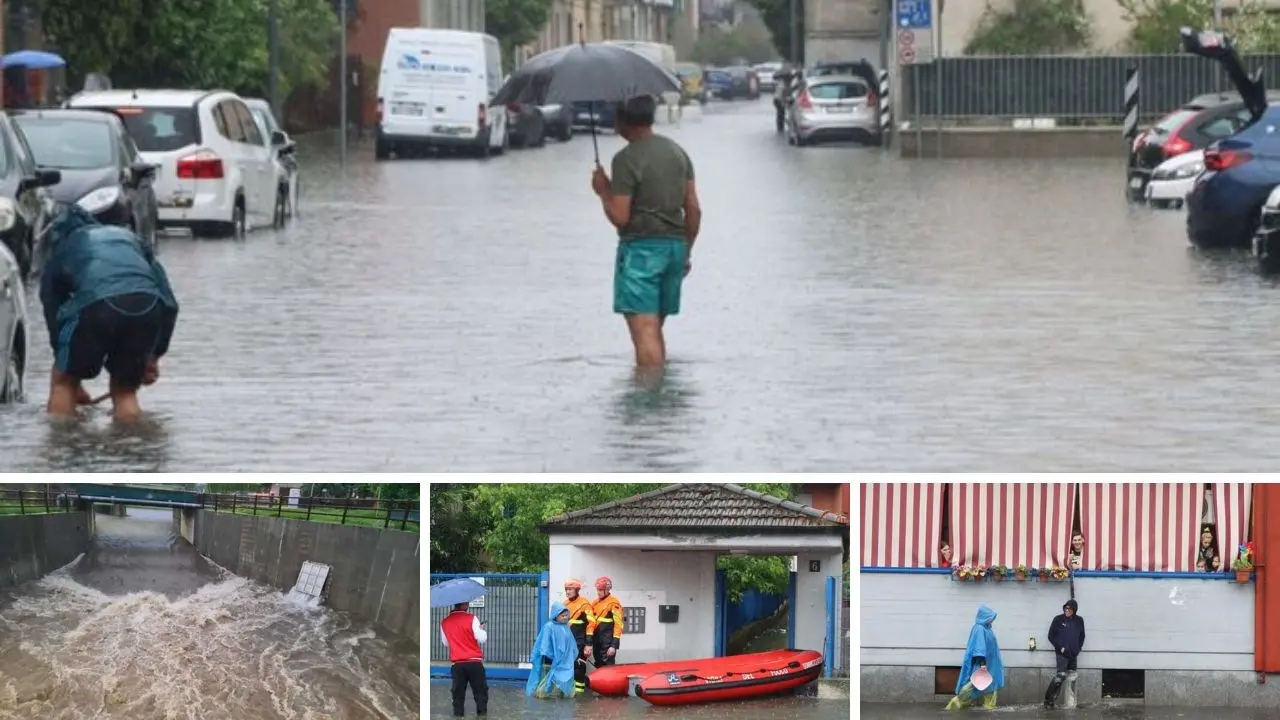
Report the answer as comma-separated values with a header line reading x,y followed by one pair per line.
x,y
405,89
457,80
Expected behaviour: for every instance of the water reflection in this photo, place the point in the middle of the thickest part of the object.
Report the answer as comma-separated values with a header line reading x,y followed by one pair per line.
x,y
142,446
649,406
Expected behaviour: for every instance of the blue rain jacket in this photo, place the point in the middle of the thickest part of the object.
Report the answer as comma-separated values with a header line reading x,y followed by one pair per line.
x,y
555,641
89,262
982,643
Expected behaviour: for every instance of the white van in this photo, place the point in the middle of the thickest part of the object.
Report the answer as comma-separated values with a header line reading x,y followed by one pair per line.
x,y
434,90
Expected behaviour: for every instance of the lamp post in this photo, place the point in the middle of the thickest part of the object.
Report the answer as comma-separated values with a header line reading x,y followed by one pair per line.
x,y
796,55
273,56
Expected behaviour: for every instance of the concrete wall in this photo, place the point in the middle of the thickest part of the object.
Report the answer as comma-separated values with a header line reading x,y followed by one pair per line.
x,y
1006,142
842,30
686,577
375,573
32,546
1194,637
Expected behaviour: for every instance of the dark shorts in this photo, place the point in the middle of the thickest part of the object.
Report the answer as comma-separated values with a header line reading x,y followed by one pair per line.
x,y
1066,664
119,333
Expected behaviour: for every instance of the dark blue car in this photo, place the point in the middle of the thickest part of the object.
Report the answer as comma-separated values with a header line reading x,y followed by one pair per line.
x,y
718,83
1224,206
603,111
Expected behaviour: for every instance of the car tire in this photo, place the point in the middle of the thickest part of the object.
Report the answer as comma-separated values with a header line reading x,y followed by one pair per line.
x,y
541,140
565,133
483,150
11,381
280,215
381,148
235,229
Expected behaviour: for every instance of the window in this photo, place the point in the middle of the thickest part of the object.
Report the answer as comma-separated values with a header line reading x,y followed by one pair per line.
x,y
1119,684
252,135
1219,128
1174,120
157,129
837,91
68,144
235,132
945,679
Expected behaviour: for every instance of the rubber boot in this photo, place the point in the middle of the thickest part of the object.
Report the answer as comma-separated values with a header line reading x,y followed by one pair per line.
x,y
1055,685
1069,692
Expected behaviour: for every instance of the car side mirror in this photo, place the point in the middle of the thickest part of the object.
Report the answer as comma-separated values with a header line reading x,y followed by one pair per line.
x,y
43,178
139,172
287,149
278,138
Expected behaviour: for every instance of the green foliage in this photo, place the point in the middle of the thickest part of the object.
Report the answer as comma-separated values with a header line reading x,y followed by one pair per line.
x,y
776,15
766,574
515,22
1155,24
196,43
749,42
458,527
1032,27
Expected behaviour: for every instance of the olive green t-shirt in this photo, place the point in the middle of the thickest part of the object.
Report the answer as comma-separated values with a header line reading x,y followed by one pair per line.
x,y
653,172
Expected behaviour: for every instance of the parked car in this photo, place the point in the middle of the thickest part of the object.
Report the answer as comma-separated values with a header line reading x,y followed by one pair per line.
x,y
13,328
286,156
101,168
719,83
1266,239
26,206
693,90
602,112
765,72
1193,126
857,68
217,171
1173,179
743,83
1225,203
525,125
559,121
833,107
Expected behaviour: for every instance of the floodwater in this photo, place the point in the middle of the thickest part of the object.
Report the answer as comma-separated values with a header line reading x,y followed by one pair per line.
x,y
847,310
508,700
1104,711
143,628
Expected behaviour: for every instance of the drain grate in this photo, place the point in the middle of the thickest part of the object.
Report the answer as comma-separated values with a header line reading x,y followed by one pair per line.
x,y
311,579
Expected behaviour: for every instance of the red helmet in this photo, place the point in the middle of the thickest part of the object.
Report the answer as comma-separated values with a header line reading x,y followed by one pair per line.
x,y
604,583
573,583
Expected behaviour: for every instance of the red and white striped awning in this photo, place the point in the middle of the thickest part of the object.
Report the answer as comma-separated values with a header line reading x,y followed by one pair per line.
x,y
1231,504
1140,526
1011,524
901,524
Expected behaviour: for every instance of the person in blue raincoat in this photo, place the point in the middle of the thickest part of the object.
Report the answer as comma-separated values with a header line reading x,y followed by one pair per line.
x,y
982,651
554,652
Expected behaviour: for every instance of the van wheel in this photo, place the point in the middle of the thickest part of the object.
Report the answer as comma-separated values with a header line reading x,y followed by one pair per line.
x,y
381,148
483,150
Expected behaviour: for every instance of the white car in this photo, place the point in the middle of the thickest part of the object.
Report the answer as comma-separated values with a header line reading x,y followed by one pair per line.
x,y
217,172
13,328
1173,179
287,161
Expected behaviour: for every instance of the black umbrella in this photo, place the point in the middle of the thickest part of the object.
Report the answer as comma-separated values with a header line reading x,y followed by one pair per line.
x,y
586,72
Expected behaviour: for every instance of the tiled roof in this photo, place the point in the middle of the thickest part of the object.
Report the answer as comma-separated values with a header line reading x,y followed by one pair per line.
x,y
702,507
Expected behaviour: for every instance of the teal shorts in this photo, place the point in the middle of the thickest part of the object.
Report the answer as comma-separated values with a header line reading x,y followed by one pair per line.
x,y
647,276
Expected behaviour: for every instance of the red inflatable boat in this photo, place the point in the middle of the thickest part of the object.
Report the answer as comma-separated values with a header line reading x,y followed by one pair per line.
x,y
730,678
612,679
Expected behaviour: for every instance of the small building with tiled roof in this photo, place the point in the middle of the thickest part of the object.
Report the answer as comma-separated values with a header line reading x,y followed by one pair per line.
x,y
659,549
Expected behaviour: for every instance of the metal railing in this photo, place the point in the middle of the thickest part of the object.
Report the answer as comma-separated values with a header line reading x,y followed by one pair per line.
x,y
368,512
1072,90
510,612
35,502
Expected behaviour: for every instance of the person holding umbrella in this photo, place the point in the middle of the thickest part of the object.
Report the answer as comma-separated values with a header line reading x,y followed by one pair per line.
x,y
463,633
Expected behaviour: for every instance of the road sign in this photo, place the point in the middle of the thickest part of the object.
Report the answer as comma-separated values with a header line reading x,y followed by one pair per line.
x,y
907,55
906,37
915,14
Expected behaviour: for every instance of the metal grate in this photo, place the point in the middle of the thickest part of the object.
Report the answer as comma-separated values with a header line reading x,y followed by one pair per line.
x,y
510,613
311,578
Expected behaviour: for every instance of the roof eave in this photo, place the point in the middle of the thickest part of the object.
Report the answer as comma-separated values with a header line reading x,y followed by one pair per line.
x,y
696,530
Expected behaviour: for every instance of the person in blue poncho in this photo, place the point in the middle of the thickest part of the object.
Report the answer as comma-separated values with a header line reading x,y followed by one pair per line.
x,y
554,652
982,651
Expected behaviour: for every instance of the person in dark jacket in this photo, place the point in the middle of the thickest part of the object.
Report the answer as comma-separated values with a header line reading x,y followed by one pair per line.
x,y
1066,635
107,303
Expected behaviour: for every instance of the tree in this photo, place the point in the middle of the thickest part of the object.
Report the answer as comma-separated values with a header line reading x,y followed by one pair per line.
x,y
1154,24
747,42
458,528
1032,27
776,15
515,22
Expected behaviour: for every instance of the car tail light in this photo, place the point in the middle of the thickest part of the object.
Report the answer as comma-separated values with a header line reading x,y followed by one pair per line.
x,y
1176,146
873,100
204,165
803,100
381,116
481,116
1225,159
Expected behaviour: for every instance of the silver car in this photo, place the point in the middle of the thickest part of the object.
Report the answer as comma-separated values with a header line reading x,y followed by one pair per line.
x,y
13,329
833,107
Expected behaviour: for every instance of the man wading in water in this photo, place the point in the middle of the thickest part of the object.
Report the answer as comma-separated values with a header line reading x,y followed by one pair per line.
x,y
653,202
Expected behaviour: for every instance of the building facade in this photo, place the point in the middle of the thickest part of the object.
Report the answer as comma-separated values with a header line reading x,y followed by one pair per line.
x,y
642,20
1156,629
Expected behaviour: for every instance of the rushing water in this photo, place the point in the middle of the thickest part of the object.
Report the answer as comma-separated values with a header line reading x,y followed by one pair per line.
x,y
143,628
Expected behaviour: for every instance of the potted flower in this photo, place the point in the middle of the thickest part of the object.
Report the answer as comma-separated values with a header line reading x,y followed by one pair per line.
x,y
1058,573
999,572
1044,574
968,573
1243,564
1020,573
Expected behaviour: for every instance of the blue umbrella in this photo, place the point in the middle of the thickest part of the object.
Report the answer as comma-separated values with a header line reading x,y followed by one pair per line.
x,y
452,592
33,59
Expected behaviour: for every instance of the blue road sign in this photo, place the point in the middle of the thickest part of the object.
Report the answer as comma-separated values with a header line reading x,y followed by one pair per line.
x,y
915,14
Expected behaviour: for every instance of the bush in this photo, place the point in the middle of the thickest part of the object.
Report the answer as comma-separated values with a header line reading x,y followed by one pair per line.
x,y
1032,27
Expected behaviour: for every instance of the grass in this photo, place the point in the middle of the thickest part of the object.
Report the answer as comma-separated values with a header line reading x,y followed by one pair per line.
x,y
28,507
355,516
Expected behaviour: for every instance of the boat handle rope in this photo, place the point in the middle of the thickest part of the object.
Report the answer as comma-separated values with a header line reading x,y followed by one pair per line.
x,y
716,678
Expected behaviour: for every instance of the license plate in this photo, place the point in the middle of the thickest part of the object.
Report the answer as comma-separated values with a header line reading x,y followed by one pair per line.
x,y
1135,182
447,129
411,109
843,110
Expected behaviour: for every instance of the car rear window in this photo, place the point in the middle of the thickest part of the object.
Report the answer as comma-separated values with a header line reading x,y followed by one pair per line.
x,y
837,91
69,144
1174,120
161,129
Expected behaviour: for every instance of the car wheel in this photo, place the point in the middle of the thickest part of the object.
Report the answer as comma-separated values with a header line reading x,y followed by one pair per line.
x,y
11,390
483,150
234,229
281,214
381,148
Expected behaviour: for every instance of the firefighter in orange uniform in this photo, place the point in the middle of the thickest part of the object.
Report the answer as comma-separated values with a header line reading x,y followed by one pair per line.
x,y
579,615
605,626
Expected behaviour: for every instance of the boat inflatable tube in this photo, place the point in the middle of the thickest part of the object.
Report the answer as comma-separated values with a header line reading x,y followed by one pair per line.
x,y
611,680
731,679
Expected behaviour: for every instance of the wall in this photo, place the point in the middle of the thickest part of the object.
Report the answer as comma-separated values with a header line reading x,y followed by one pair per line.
x,y
961,19
32,546
1193,636
375,573
1007,142
841,30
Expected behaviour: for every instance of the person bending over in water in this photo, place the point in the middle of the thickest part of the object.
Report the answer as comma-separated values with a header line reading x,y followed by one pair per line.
x,y
653,202
553,655
107,303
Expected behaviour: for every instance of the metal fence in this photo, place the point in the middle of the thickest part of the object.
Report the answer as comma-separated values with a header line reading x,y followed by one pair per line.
x,y
35,502
510,612
753,606
368,512
1083,90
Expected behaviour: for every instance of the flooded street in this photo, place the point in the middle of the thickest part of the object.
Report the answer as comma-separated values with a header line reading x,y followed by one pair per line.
x,y
507,700
1105,711
143,628
846,310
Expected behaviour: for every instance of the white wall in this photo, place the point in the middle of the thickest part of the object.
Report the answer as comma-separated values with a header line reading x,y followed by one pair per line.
x,y
811,601
1150,624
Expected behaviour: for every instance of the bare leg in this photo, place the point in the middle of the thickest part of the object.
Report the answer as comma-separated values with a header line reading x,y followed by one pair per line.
x,y
646,336
64,392
124,403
